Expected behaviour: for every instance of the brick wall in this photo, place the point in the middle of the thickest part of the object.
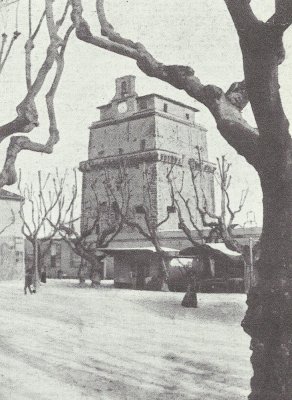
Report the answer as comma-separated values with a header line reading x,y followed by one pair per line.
x,y
122,137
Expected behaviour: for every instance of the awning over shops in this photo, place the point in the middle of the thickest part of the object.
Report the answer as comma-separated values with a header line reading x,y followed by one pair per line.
x,y
150,249
212,249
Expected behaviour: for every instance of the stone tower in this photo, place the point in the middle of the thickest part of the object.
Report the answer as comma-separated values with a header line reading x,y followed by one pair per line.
x,y
148,133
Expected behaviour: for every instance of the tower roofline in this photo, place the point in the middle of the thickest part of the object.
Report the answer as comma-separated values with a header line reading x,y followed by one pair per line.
x,y
178,103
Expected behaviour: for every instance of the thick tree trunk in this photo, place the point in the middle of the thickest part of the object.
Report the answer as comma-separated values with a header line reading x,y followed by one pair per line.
x,y
81,273
95,274
269,317
36,275
164,272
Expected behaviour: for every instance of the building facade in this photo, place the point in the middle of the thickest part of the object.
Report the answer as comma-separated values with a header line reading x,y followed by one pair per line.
x,y
58,260
11,238
153,139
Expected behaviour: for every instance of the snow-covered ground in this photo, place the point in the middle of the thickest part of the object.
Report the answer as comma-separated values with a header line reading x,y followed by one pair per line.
x,y
75,343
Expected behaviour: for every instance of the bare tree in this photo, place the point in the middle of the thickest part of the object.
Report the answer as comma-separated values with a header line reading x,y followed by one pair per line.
x,y
220,225
98,230
27,115
149,228
211,226
40,204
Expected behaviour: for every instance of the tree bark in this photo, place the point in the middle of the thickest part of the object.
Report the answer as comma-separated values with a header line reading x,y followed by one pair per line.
x,y
164,273
81,273
36,275
269,317
95,274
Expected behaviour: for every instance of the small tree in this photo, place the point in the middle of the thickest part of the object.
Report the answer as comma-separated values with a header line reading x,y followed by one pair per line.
x,y
41,204
98,232
212,226
150,228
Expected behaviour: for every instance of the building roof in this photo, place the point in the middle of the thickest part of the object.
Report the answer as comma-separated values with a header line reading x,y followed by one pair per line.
x,y
5,195
219,249
178,103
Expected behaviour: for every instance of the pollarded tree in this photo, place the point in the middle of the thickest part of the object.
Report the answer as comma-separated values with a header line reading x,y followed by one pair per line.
x,y
108,209
148,228
27,117
220,225
212,226
268,148
43,201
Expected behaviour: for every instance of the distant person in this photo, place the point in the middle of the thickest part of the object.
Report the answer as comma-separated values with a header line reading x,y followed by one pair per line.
x,y
44,277
28,281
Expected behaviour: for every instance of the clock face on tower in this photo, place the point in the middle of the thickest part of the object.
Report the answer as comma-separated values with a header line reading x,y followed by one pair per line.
x,y
122,107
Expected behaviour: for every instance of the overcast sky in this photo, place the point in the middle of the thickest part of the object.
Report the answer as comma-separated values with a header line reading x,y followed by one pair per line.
x,y
197,33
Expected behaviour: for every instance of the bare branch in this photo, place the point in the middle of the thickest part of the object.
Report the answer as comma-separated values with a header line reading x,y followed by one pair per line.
x,y
233,213
283,14
29,45
12,40
60,22
19,143
3,42
242,14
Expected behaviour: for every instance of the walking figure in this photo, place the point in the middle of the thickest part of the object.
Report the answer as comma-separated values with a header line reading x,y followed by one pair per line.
x,y
28,281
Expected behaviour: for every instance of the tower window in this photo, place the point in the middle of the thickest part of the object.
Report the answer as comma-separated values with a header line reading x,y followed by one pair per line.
x,y
143,144
121,150
124,88
165,107
171,209
187,116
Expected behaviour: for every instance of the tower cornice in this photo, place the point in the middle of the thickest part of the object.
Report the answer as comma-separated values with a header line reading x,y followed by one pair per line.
x,y
142,114
131,159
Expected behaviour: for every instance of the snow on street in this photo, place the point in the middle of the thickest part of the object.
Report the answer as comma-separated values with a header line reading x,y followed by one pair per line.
x,y
75,343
